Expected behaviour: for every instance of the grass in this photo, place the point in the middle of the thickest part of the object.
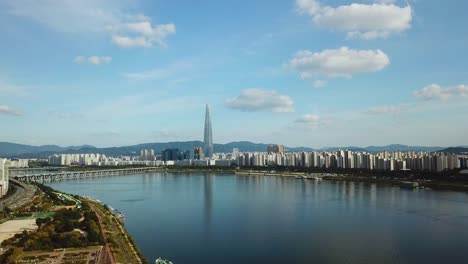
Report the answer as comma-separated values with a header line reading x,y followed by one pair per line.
x,y
43,214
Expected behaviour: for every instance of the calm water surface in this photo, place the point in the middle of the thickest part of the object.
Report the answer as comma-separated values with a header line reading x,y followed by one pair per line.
x,y
207,218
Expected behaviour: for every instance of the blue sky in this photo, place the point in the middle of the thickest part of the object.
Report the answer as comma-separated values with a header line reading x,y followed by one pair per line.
x,y
301,73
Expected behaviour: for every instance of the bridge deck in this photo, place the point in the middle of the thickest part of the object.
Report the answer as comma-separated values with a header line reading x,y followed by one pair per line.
x,y
82,174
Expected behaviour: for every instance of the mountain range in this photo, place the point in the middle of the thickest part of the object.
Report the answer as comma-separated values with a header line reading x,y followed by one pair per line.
x,y
27,151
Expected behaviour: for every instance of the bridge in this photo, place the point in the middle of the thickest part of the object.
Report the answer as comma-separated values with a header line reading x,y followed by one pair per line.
x,y
32,170
37,169
67,175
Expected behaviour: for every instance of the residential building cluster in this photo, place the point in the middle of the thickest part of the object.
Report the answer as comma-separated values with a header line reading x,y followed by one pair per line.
x,y
391,161
276,156
99,160
5,165
147,154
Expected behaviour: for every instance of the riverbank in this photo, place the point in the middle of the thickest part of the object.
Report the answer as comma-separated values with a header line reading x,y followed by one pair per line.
x,y
441,181
435,184
54,220
427,184
118,241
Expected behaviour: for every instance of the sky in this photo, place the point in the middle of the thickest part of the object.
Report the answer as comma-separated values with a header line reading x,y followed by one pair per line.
x,y
315,73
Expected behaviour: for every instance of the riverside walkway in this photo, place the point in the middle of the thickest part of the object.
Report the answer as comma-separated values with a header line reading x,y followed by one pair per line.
x,y
67,175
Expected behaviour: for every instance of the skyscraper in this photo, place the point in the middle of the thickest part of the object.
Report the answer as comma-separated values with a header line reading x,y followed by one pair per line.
x,y
208,134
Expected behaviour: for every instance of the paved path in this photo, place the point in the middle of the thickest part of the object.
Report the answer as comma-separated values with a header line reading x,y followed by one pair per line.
x,y
120,237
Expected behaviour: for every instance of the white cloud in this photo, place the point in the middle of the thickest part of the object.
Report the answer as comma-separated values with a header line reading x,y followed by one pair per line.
x,y
113,17
309,118
461,90
142,34
7,110
385,1
311,121
256,99
342,62
365,21
96,60
438,92
128,42
319,83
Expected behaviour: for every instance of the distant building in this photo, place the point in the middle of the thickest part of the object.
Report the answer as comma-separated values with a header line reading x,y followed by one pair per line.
x,y
208,135
275,149
198,153
235,152
147,154
19,163
170,154
187,155
4,176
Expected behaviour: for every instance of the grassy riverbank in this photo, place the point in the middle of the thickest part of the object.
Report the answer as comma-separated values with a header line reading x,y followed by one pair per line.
x,y
84,228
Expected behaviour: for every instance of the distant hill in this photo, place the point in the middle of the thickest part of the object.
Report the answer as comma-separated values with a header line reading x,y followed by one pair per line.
x,y
350,148
13,149
24,151
393,147
398,147
456,150
27,151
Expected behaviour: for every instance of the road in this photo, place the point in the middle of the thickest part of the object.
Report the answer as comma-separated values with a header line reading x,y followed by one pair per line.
x,y
24,194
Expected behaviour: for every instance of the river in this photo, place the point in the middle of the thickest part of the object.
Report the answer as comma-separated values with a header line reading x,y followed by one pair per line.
x,y
209,218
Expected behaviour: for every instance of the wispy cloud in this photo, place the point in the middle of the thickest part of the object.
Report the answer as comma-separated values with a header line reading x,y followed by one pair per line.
x,y
115,18
175,70
256,99
319,83
142,34
438,92
10,89
388,109
96,60
312,121
8,110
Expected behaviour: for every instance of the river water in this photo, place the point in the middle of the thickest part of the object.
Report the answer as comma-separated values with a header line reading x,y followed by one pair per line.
x,y
209,218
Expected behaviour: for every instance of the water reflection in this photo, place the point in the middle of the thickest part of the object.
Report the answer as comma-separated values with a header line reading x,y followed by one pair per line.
x,y
208,180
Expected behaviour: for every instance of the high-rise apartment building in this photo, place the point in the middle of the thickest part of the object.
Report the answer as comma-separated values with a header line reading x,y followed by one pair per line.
x,y
147,154
275,149
198,153
4,176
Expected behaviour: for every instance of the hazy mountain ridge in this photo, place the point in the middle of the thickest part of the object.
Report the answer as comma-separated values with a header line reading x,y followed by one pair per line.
x,y
12,149
27,151
456,150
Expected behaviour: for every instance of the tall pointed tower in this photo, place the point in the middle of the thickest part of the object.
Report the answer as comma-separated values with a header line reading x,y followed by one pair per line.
x,y
208,134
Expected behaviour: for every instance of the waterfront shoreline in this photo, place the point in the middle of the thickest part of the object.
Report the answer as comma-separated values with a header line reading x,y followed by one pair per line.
x,y
330,176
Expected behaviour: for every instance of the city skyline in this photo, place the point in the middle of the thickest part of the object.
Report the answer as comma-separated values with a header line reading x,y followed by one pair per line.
x,y
298,73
